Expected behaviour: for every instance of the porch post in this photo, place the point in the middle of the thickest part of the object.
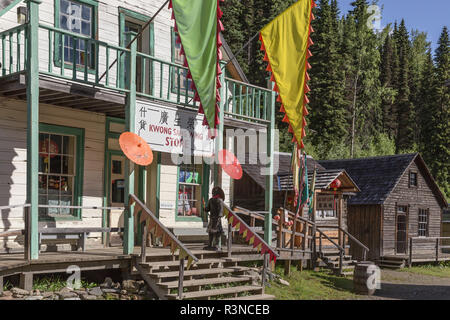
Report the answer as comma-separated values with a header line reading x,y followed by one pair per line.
x,y
130,109
32,77
142,195
219,139
269,177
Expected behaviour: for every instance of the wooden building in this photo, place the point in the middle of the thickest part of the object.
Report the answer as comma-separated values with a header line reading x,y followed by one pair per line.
x,y
331,205
62,110
399,200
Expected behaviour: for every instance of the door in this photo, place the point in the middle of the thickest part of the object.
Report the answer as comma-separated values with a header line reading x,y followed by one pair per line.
x,y
401,230
136,28
116,190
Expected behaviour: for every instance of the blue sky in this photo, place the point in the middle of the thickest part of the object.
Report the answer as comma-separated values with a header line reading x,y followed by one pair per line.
x,y
429,16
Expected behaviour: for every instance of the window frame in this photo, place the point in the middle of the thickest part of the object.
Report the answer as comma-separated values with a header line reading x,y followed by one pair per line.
x,y
198,218
79,134
409,179
127,13
204,194
57,60
423,212
173,85
335,217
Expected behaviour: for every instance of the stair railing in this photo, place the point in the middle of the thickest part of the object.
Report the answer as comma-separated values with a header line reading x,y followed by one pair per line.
x,y
307,234
164,233
230,243
346,239
340,248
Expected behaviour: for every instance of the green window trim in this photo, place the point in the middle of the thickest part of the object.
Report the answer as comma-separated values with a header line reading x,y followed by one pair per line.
x,y
56,39
173,85
204,192
79,167
127,13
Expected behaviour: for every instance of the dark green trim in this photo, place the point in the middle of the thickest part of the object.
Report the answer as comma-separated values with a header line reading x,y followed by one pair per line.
x,y
79,176
57,58
10,6
205,189
107,169
158,185
123,13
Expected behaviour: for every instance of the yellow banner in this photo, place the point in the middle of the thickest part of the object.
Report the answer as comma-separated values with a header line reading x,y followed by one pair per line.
x,y
286,41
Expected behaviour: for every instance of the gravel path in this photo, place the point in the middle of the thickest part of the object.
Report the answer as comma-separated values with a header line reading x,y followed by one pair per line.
x,y
396,285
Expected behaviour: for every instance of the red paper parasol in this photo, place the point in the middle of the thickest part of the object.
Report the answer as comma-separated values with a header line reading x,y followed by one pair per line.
x,y
230,164
136,149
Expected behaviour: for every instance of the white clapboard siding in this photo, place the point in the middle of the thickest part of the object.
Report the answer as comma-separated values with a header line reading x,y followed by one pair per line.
x,y
13,160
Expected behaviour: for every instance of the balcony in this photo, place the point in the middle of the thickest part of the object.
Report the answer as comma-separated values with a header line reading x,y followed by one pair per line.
x,y
74,71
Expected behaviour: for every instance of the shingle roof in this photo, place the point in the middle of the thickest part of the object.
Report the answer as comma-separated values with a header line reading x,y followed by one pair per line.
x,y
376,177
323,179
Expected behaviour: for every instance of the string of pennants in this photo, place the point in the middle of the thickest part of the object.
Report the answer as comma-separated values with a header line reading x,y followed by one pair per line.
x,y
154,228
249,236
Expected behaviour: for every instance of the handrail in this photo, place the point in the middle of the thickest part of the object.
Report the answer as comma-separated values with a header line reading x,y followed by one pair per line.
x,y
331,240
359,243
235,215
14,29
143,207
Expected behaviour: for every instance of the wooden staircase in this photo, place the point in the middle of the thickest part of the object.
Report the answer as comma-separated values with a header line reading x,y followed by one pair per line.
x,y
213,277
331,260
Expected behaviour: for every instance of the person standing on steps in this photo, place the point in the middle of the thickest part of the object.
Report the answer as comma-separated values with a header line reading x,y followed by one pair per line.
x,y
215,209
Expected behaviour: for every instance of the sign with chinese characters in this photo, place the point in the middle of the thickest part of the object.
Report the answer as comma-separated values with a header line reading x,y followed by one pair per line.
x,y
172,130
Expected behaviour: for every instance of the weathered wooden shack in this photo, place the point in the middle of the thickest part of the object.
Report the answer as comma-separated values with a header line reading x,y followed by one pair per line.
x,y
399,202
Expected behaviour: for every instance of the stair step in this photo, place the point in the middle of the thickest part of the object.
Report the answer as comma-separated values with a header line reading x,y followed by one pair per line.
x,y
203,282
390,266
159,264
198,272
255,297
215,292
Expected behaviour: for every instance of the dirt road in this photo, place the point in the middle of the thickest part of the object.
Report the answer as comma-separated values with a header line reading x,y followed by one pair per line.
x,y
396,285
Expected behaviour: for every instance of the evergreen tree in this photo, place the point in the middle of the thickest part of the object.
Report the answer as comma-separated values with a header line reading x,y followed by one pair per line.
x,y
328,120
438,146
405,109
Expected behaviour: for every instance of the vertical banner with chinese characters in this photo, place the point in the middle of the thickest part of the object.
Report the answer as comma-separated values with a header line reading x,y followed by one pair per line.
x,y
172,130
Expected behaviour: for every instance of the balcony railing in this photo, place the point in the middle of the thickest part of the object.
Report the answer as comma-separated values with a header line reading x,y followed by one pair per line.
x,y
81,59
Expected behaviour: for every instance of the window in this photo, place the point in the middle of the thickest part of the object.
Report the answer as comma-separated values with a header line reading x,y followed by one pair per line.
x,y
77,17
326,207
412,179
179,75
423,222
60,160
189,191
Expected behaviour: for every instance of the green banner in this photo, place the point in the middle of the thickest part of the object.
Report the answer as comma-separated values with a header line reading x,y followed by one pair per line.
x,y
196,24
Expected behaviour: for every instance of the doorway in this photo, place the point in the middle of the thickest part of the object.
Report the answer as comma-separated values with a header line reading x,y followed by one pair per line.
x,y
401,230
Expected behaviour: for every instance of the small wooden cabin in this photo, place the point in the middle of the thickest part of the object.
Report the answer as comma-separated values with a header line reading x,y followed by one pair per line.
x,y
399,199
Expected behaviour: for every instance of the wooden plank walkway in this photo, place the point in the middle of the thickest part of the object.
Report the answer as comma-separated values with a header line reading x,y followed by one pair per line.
x,y
102,258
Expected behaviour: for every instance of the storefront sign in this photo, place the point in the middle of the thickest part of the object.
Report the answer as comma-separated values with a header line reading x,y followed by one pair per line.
x,y
172,130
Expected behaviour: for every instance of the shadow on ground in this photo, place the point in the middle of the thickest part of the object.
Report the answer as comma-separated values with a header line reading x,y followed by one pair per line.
x,y
413,292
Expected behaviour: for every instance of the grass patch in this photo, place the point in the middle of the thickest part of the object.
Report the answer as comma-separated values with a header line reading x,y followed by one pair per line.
x,y
310,285
441,270
56,283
